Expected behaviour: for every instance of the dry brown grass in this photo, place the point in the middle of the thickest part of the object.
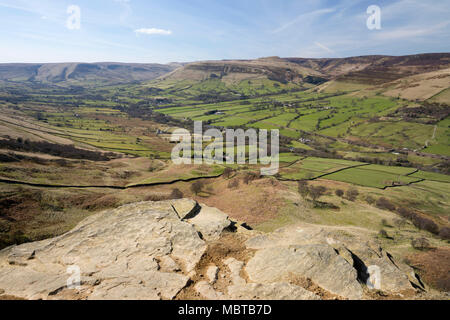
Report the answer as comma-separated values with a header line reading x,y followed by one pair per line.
x,y
254,203
433,266
420,87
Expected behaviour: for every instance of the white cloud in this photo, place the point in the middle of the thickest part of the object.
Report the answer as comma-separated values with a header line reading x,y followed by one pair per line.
x,y
151,31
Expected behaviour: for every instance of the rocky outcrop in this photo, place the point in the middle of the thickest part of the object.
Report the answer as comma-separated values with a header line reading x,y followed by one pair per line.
x,y
210,223
157,250
131,252
320,263
309,249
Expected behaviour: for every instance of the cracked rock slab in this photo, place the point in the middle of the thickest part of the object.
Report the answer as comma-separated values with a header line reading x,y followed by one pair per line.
x,y
210,222
185,207
118,250
320,263
239,289
369,259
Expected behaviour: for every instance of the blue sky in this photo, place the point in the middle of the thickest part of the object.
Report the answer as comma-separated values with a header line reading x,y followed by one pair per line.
x,y
190,30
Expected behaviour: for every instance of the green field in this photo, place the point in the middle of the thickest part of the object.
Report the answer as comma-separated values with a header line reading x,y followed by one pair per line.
x,y
312,167
431,176
394,170
371,178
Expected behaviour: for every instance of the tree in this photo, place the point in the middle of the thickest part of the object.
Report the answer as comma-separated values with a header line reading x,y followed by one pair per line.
x,y
316,192
227,172
425,224
370,199
303,188
405,212
385,204
339,193
445,233
197,186
176,194
352,194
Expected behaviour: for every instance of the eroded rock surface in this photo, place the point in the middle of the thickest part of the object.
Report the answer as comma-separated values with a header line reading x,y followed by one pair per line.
x,y
151,250
326,249
317,262
210,223
132,252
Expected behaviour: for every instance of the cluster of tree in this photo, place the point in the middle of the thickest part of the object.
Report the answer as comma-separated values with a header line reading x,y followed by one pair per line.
x,y
315,80
197,186
434,111
210,112
314,192
419,220
351,194
444,167
401,161
266,104
215,97
143,111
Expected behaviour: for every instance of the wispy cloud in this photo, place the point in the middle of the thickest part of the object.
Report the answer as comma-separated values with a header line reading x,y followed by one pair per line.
x,y
126,9
408,32
323,47
151,31
303,17
20,8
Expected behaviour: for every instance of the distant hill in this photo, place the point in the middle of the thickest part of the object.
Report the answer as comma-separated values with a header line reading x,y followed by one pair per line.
x,y
371,70
232,71
221,80
83,72
376,69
